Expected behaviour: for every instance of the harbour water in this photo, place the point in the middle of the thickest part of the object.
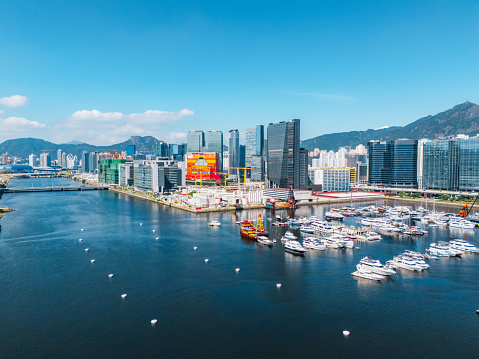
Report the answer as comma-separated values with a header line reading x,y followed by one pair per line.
x,y
56,303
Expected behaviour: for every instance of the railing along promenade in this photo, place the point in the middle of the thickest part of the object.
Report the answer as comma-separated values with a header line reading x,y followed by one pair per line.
x,y
51,189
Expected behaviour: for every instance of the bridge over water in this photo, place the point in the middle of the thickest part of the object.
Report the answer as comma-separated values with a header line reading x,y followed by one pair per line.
x,y
51,189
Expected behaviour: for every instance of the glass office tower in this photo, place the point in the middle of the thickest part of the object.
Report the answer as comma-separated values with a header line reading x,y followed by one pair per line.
x,y
195,141
254,152
161,149
376,160
283,154
214,143
469,164
440,161
401,163
233,151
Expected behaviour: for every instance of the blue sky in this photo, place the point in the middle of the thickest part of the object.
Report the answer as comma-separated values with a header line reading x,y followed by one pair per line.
x,y
100,71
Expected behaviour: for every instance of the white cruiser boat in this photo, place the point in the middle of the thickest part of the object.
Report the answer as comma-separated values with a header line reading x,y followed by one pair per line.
x,y
463,246
214,223
335,216
313,243
294,247
443,250
406,263
461,223
363,273
264,241
332,243
307,229
322,227
339,238
288,236
375,266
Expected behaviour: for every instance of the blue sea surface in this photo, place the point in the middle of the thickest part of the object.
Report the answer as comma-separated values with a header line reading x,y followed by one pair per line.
x,y
56,303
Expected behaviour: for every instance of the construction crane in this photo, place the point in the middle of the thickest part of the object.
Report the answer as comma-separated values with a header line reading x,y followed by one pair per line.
x,y
223,173
240,168
466,210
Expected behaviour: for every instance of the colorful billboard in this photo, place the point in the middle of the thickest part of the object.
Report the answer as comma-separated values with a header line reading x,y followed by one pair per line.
x,y
202,166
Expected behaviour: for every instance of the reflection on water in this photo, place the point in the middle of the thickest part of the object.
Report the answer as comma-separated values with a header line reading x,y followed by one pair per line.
x,y
55,302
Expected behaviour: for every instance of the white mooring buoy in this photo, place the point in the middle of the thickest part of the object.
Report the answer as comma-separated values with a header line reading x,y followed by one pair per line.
x,y
93,261
86,249
195,248
206,260
157,238
110,275
278,285
154,321
82,229
346,333
237,270
154,230
123,296
80,240
141,224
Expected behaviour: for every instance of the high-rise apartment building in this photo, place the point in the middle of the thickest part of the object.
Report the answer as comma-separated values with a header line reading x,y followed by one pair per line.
x,y
32,160
45,160
59,158
85,161
283,154
255,153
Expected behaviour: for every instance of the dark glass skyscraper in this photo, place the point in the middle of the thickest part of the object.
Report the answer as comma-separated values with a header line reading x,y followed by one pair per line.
x,y
161,149
377,157
233,151
255,153
283,154
393,164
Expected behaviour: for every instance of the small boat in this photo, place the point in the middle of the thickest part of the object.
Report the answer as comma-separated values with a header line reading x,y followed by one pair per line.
x,y
288,236
264,241
307,229
294,247
214,223
362,273
313,243
375,266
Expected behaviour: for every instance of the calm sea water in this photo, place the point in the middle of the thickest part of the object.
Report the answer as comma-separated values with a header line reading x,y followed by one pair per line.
x,y
55,303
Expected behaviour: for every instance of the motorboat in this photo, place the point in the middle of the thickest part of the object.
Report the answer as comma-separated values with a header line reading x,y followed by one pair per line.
x,y
375,266
322,227
294,222
364,273
214,223
463,246
307,229
461,223
264,241
313,243
442,249
294,247
405,262
417,257
333,216
340,239
288,236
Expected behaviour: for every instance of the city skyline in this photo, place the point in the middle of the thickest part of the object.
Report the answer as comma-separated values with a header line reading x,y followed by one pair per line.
x,y
101,72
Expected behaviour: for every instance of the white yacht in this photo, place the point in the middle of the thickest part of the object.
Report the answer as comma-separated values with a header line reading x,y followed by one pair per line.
x,y
288,236
461,223
417,257
335,216
214,223
463,246
264,241
443,250
322,227
307,229
375,266
364,273
340,240
294,247
406,263
313,243
331,243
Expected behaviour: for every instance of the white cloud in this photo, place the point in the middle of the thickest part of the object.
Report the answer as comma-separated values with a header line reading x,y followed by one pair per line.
x,y
2,111
13,101
175,136
14,127
104,128
19,122
85,115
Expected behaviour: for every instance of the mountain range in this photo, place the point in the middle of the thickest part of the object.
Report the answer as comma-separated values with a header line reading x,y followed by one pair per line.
x,y
461,119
